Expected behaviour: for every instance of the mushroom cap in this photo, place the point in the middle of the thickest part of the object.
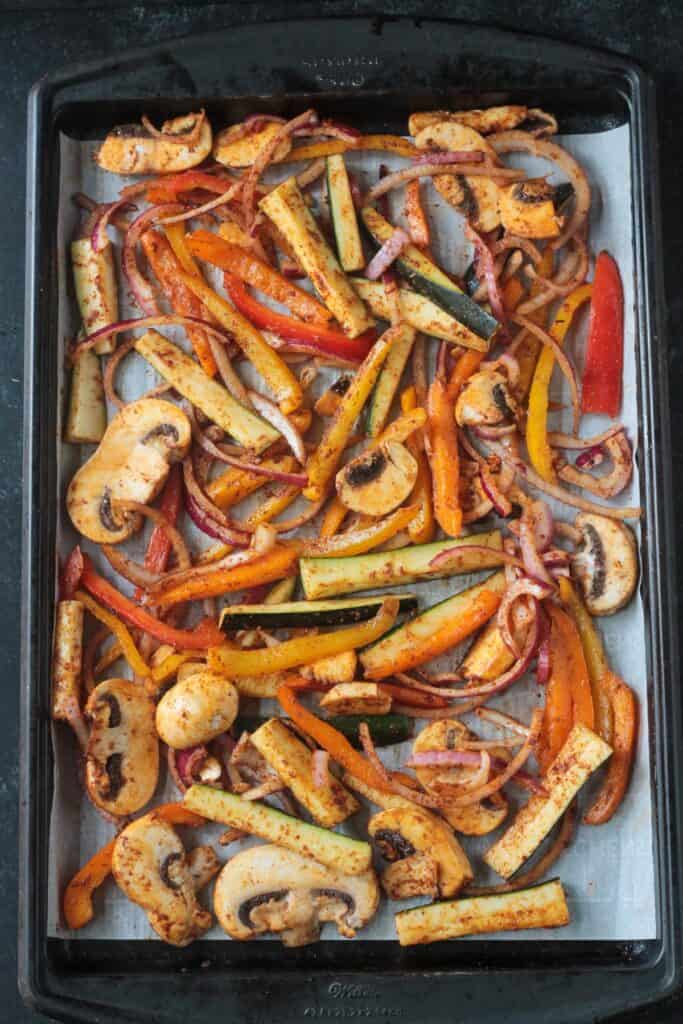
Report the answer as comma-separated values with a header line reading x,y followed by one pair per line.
x,y
270,889
377,481
606,564
150,867
485,401
131,463
195,710
131,149
122,756
475,197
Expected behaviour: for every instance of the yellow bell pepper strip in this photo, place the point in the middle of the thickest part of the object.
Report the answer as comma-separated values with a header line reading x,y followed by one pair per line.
x,y
166,670
176,236
526,352
420,529
121,632
625,710
273,505
601,384
558,714
443,440
214,580
381,143
253,271
77,903
323,462
594,653
400,429
357,542
330,739
303,650
234,485
540,452
265,360
112,654
199,638
334,516
582,697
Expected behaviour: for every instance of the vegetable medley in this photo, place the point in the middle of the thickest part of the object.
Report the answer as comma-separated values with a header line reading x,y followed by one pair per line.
x,y
430,455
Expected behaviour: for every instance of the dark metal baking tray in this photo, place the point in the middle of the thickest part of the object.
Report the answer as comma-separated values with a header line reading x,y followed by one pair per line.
x,y
373,73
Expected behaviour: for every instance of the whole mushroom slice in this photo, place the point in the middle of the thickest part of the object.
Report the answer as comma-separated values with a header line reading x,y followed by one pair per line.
x,y
150,866
376,482
417,875
485,401
606,563
131,464
490,120
530,208
234,148
402,832
182,142
475,197
270,889
196,709
122,756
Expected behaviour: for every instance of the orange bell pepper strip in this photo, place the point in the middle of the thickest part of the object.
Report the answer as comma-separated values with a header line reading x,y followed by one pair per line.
x,y
412,698
167,271
594,653
234,485
303,650
330,739
625,710
568,697
602,374
443,439
254,272
334,516
513,291
178,239
315,337
582,697
202,636
540,452
357,542
167,187
323,462
416,218
213,580
77,904
420,529
265,360
159,547
381,143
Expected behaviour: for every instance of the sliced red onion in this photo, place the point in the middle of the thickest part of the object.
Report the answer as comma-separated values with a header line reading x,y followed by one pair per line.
x,y
573,500
277,419
448,156
502,721
521,588
556,558
559,440
256,121
332,130
591,457
562,358
133,323
533,563
502,682
250,180
188,760
106,211
487,265
208,526
298,479
142,290
500,502
440,758
495,433
320,763
543,664
430,170
539,515
450,555
384,257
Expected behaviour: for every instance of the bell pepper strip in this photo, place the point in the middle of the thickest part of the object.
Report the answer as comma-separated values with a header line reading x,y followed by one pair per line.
x,y
120,631
527,350
413,698
303,650
273,505
335,514
421,529
166,188
254,272
265,360
323,462
400,429
178,239
167,270
558,713
582,697
625,710
201,637
170,503
214,580
234,485
594,653
357,542
416,218
513,291
381,143
444,452
112,654
71,574
314,337
330,739
603,368
77,904
166,670
540,452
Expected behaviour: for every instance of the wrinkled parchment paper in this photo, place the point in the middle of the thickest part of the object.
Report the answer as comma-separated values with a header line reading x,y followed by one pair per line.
x,y
608,871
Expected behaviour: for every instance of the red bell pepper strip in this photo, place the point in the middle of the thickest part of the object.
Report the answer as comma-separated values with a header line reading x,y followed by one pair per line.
x,y
323,340
70,576
206,634
167,187
601,385
159,547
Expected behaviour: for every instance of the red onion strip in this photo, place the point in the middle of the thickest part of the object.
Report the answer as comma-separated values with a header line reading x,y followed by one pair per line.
x,y
142,289
440,156
384,257
270,412
562,359
574,500
106,211
511,769
559,440
134,323
485,260
320,765
392,181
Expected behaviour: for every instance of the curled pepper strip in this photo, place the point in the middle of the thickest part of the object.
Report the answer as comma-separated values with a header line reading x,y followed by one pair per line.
x,y
121,632
77,903
625,710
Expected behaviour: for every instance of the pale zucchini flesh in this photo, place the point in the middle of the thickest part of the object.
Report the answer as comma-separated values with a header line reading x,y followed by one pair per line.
x,y
350,856
86,419
583,752
96,289
287,209
327,577
328,805
343,211
215,401
420,312
541,906
387,383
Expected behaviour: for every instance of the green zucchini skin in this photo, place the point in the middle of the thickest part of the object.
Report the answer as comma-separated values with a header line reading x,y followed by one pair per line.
x,y
385,730
343,213
307,613
385,389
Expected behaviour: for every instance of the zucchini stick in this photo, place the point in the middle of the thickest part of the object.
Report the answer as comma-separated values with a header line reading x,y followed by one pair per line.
x,y
96,289
67,662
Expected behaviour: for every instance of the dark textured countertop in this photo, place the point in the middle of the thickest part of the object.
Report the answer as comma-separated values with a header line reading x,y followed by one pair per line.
x,y
39,37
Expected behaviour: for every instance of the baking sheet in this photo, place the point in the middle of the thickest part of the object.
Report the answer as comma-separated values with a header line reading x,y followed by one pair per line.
x,y
608,871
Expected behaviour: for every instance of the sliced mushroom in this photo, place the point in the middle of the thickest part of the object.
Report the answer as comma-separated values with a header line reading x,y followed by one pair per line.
x,y
270,889
203,865
402,832
122,757
486,122
606,564
134,149
485,401
610,484
150,866
475,197
376,482
356,699
417,875
131,463
235,149
530,209
196,710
